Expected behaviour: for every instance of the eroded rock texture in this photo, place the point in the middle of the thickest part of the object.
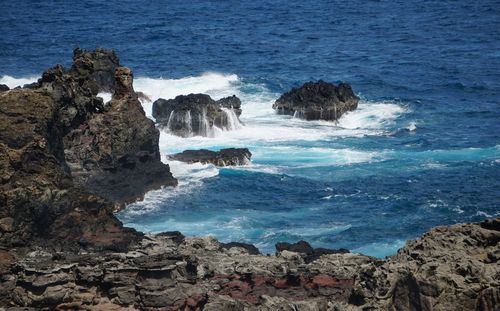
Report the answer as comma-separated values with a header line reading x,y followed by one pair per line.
x,y
197,114
449,268
317,101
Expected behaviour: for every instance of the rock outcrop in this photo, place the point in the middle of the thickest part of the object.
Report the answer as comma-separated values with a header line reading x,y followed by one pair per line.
x,y
100,65
317,101
66,160
449,268
197,114
3,88
224,157
115,153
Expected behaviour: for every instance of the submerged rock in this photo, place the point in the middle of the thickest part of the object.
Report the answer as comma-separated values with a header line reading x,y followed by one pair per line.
x,y
317,101
197,114
224,157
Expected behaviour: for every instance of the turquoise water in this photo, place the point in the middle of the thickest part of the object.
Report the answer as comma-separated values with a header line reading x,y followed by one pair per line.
x,y
422,149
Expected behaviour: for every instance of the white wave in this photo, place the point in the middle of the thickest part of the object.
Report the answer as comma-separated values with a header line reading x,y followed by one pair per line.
x,y
12,82
412,126
190,176
216,85
106,97
371,115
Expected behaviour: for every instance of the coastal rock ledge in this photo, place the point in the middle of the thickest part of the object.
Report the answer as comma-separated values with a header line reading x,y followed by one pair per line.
x,y
317,101
449,268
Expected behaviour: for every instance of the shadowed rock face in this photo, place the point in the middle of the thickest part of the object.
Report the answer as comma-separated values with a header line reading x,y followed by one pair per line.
x,y
197,114
115,153
224,157
317,101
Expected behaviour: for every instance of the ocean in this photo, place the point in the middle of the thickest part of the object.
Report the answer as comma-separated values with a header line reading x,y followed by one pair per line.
x,y
422,149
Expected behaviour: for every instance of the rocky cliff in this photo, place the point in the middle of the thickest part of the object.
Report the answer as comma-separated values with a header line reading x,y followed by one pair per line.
x,y
66,159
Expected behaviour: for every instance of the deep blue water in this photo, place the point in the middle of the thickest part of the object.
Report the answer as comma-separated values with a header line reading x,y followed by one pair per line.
x,y
422,150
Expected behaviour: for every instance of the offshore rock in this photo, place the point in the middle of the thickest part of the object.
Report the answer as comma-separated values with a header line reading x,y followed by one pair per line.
x,y
449,268
224,157
99,65
4,88
197,114
317,101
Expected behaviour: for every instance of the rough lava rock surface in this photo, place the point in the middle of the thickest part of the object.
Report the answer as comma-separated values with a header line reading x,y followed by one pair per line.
x,y
99,64
317,101
197,114
449,268
224,157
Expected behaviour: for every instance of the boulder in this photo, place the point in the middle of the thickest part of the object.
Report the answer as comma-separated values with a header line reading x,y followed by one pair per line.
x,y
3,88
197,114
317,101
250,248
305,248
224,157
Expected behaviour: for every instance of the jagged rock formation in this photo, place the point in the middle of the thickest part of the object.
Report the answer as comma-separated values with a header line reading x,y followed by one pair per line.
x,y
197,114
224,157
317,101
449,268
99,64
66,160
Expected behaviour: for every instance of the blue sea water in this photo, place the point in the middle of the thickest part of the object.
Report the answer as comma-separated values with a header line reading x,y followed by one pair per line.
x,y
423,148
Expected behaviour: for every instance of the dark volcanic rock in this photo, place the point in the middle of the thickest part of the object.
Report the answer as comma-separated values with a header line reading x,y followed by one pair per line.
x,y
224,157
305,248
317,101
3,88
100,65
115,153
62,154
197,114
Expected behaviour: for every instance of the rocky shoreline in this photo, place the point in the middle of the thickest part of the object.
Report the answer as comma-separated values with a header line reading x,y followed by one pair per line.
x,y
67,161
